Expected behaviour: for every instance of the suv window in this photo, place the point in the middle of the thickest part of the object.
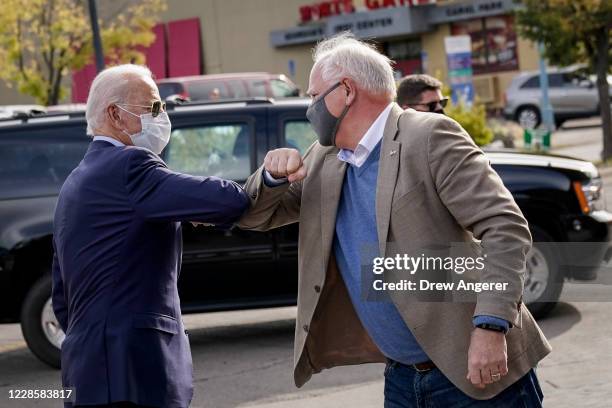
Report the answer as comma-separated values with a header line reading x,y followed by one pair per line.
x,y
299,135
36,162
281,89
221,150
554,81
572,79
168,89
238,88
257,87
207,90
533,82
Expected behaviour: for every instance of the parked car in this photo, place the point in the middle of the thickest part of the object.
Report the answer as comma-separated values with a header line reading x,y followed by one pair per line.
x,y
227,86
572,95
9,111
224,270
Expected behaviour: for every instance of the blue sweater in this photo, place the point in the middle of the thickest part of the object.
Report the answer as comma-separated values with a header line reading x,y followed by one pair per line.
x,y
355,234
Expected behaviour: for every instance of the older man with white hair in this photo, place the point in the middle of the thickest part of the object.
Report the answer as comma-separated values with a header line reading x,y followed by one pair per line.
x,y
117,240
396,181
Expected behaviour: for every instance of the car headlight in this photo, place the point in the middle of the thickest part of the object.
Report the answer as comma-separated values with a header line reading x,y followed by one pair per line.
x,y
590,195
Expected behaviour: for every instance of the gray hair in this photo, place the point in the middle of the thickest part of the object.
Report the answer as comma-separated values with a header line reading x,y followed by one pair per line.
x,y
345,56
111,86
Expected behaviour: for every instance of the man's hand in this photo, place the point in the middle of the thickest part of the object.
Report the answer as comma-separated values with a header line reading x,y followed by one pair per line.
x,y
285,163
487,357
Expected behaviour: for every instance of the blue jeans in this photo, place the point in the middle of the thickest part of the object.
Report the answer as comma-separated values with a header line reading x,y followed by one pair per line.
x,y
407,388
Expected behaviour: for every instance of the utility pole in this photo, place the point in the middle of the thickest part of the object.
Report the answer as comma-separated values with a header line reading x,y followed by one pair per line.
x,y
95,29
547,110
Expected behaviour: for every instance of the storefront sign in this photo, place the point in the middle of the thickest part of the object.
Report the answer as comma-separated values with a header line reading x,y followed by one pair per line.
x,y
298,35
459,56
470,9
376,4
381,23
387,22
325,9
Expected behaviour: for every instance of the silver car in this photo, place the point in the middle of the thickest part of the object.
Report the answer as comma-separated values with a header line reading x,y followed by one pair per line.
x,y
572,95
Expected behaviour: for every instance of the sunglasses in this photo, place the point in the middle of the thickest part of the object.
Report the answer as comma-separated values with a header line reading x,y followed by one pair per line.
x,y
156,107
431,106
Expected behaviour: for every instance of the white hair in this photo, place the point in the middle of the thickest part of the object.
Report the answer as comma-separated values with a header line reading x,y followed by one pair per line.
x,y
111,86
345,56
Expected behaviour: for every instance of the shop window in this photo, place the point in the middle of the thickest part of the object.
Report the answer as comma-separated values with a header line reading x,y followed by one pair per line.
x,y
407,56
494,43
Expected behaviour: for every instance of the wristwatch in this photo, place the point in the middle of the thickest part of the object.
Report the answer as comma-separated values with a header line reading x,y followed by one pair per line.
x,y
493,327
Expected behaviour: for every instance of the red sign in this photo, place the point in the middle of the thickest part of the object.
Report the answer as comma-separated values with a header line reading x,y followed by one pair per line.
x,y
325,9
376,4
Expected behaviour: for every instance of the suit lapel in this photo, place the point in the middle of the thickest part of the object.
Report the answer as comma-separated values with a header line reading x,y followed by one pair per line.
x,y
388,168
332,177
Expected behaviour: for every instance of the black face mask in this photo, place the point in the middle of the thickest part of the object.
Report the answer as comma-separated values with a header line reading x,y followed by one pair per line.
x,y
322,121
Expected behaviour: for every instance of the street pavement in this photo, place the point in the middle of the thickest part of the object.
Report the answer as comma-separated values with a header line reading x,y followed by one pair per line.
x,y
579,138
245,358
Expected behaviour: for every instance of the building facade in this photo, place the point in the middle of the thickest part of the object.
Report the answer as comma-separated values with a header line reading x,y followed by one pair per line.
x,y
277,36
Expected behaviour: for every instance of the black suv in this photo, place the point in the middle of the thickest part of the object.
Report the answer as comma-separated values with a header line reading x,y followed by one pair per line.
x,y
222,270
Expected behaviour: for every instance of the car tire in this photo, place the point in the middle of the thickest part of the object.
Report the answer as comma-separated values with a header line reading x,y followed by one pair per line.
x,y
34,315
543,276
528,117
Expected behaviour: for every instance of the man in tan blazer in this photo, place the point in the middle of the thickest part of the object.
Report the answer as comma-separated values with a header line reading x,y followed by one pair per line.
x,y
398,180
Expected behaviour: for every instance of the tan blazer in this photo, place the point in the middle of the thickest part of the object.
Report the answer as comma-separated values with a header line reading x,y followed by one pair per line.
x,y
434,185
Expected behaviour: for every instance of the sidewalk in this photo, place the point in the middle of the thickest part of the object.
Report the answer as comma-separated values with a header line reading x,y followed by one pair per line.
x,y
357,395
582,139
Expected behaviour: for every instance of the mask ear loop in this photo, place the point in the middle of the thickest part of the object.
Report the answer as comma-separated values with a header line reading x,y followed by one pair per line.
x,y
344,112
131,113
342,115
125,110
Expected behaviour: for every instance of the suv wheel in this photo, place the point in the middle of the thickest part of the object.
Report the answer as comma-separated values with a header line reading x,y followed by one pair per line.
x,y
543,277
528,117
39,326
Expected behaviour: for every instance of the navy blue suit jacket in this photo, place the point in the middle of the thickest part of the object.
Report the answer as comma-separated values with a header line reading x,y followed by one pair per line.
x,y
118,245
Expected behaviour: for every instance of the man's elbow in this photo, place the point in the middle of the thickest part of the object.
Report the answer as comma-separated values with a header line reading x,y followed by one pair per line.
x,y
237,206
243,203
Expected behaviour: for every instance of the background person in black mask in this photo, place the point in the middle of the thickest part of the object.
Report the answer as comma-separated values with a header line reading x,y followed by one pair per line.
x,y
422,93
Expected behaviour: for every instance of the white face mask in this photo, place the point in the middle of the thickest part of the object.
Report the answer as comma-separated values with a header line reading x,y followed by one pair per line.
x,y
155,132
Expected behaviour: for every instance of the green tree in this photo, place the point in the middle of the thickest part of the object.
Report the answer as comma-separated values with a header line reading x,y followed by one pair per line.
x,y
473,119
575,31
42,41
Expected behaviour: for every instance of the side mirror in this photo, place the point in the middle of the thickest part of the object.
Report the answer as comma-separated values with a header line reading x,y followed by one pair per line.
x,y
586,83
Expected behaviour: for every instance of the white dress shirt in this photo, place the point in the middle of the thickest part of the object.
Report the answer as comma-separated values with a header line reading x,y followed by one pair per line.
x,y
365,146
109,140
368,142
